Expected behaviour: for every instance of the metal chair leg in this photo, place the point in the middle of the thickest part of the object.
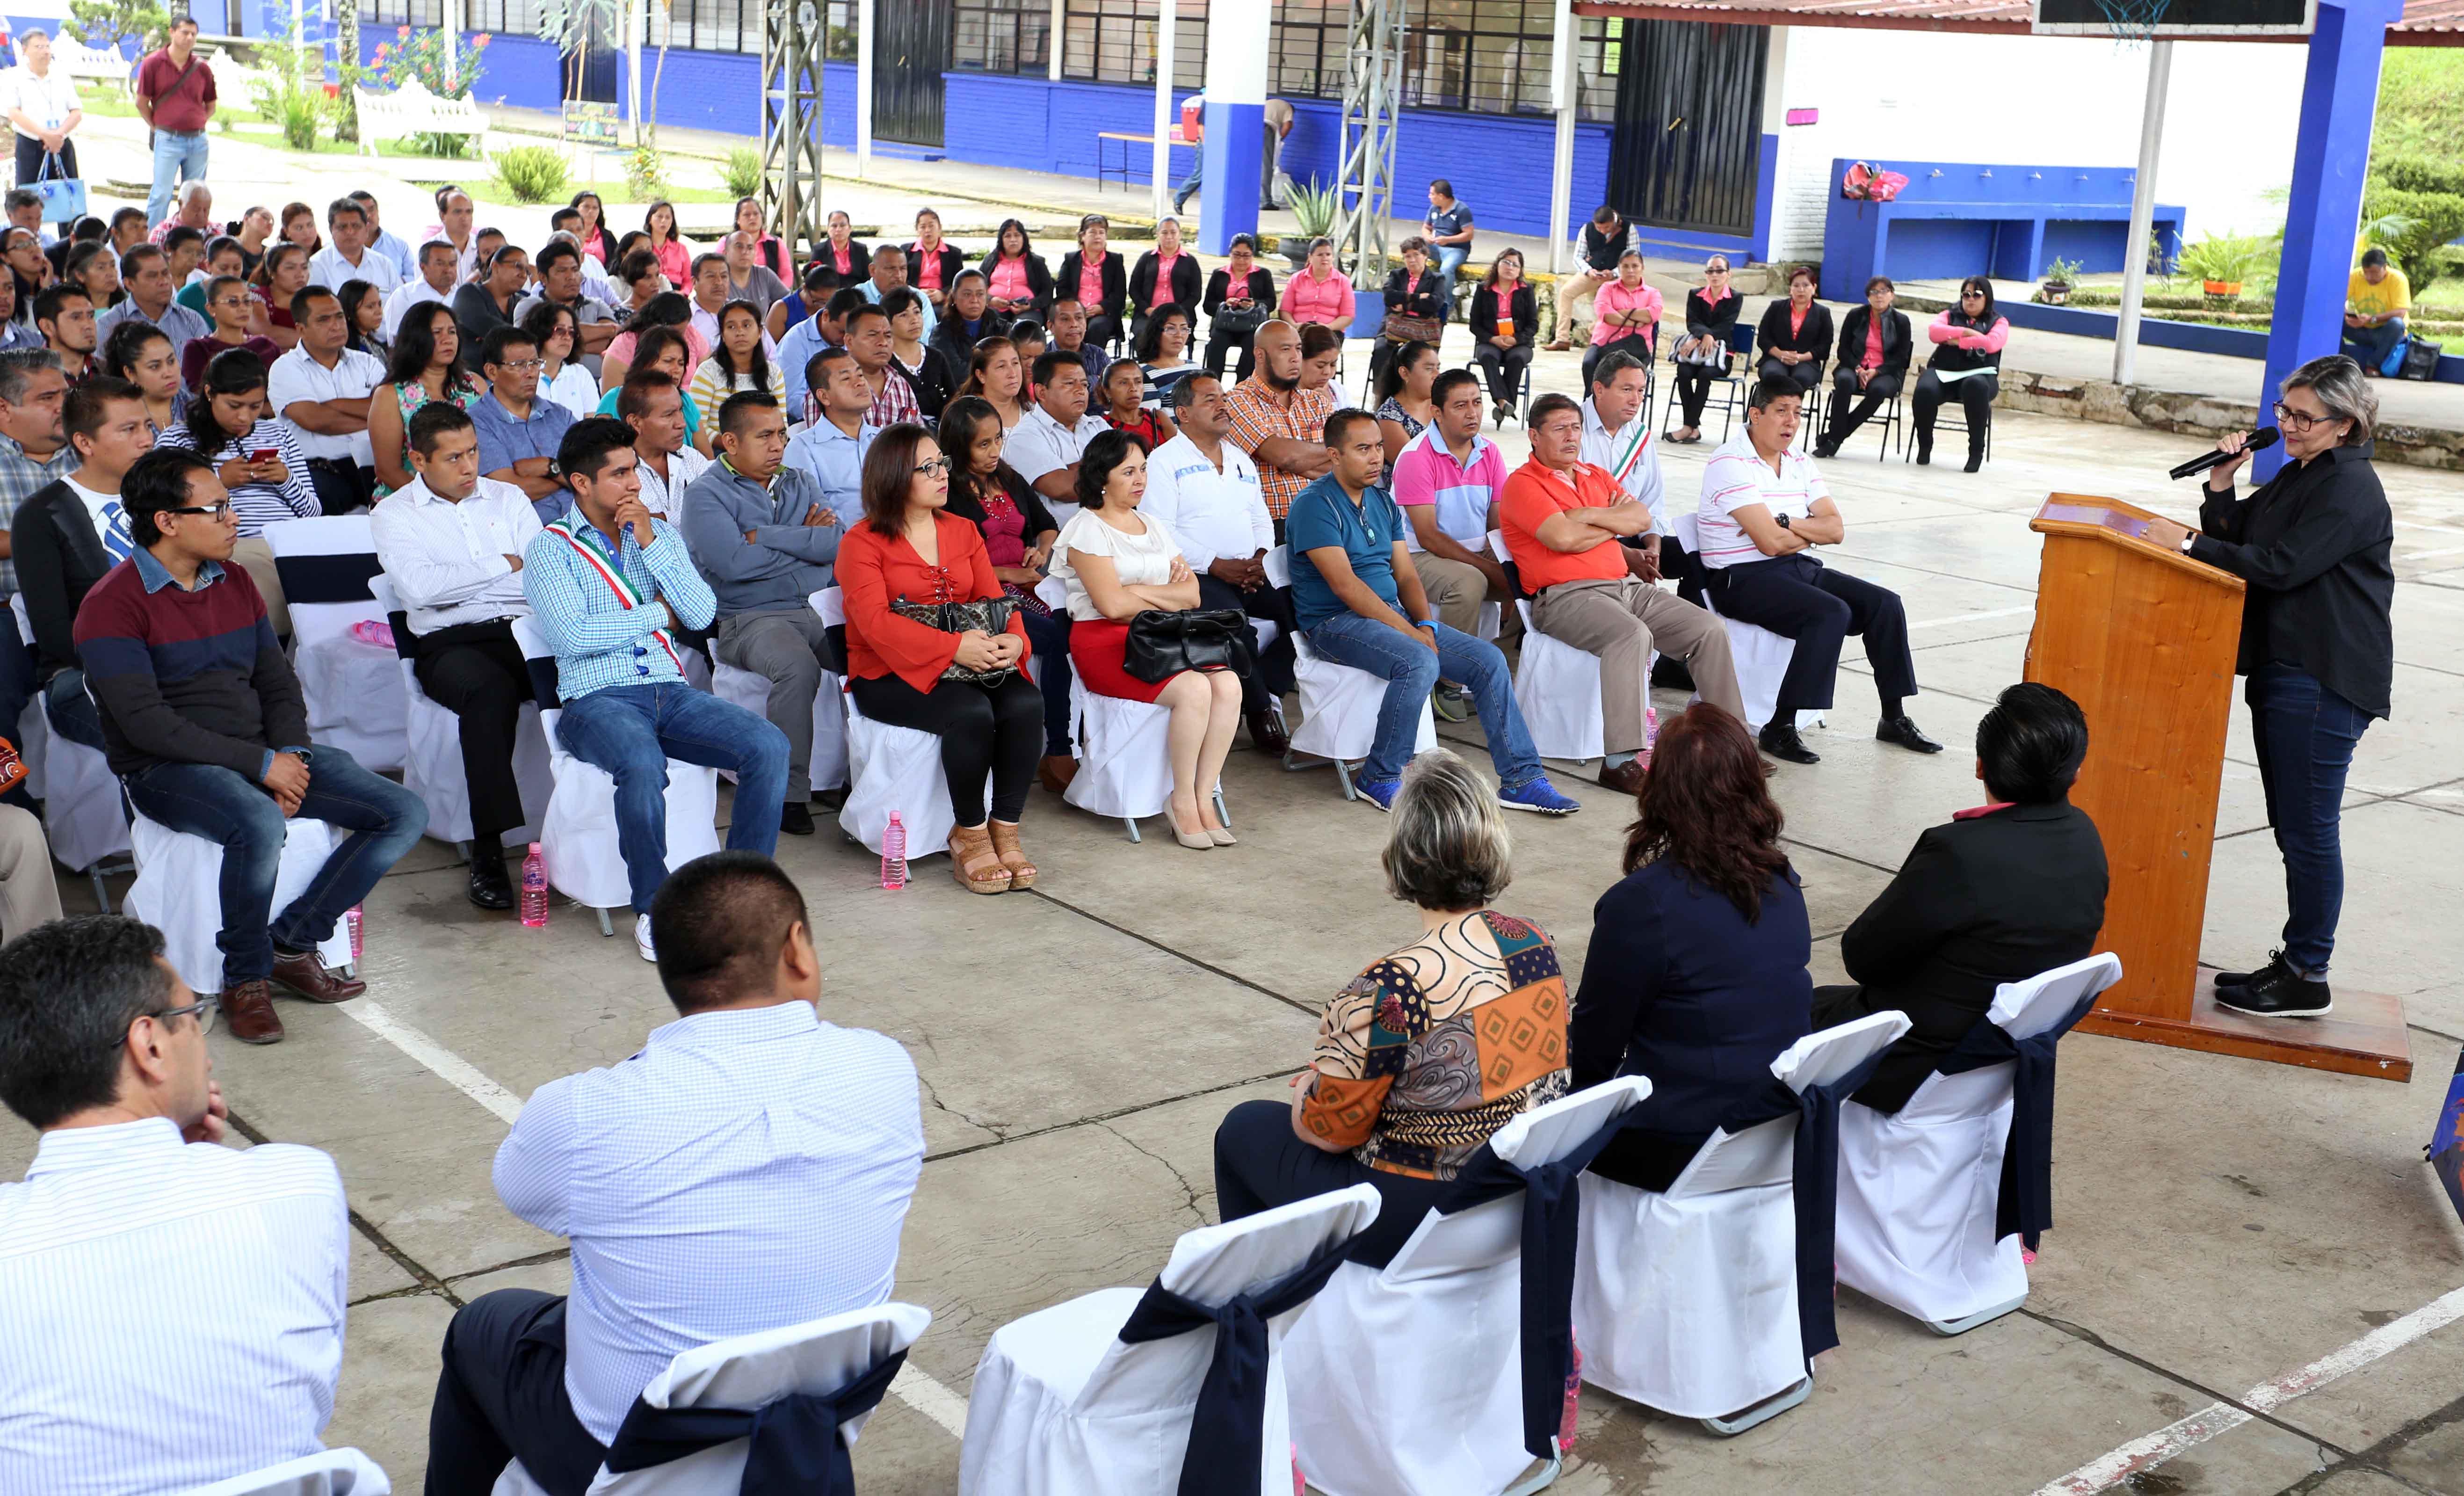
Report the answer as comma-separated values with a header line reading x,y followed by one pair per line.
x,y
1132,821
605,926
101,891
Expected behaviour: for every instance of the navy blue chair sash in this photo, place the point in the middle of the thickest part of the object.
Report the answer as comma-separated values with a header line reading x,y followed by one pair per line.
x,y
2025,1204
1227,1434
797,1450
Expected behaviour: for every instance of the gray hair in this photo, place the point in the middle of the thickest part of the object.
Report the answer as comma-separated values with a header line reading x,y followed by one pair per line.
x,y
18,366
30,34
2336,381
190,191
1448,847
22,197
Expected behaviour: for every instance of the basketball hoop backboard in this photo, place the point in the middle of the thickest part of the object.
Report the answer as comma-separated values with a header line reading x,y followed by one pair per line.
x,y
2214,20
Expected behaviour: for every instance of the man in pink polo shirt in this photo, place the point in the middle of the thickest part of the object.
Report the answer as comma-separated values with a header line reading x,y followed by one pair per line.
x,y
1447,480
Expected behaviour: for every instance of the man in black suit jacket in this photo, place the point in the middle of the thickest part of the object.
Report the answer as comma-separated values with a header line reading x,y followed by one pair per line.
x,y
2002,893
67,533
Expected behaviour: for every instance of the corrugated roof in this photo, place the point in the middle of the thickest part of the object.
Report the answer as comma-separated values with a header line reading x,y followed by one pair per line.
x,y
2426,22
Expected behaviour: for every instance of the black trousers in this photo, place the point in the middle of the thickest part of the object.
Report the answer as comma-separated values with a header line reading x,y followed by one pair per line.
x,y
1806,375
991,731
1260,1163
501,1397
340,487
1800,599
476,672
1102,332
1502,369
1263,678
1694,382
1219,346
1878,392
1974,394
30,165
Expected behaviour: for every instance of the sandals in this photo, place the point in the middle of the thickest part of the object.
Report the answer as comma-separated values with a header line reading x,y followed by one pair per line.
x,y
1021,873
973,862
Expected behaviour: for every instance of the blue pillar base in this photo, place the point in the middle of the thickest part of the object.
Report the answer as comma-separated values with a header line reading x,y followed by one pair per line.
x,y
1234,151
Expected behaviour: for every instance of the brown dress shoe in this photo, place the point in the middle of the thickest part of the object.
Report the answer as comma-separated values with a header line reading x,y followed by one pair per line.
x,y
1056,771
304,975
1267,733
248,1013
1626,778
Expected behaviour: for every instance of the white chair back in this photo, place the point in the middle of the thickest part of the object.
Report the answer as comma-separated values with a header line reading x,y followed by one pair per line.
x,y
831,604
1279,566
328,1472
1766,1153
1687,528
333,558
1054,592
1824,1056
381,591
2025,1009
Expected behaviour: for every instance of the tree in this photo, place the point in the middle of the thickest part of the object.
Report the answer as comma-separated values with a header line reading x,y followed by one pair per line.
x,y
346,46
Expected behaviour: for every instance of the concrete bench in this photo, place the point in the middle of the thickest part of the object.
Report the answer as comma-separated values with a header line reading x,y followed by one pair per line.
x,y
412,110
83,62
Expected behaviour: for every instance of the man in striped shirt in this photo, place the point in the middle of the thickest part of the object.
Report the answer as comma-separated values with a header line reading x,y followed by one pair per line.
x,y
1763,510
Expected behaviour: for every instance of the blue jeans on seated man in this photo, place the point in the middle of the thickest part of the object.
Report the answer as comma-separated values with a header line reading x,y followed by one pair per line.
x,y
71,712
632,731
1450,258
1411,671
2304,734
176,153
206,800
2370,347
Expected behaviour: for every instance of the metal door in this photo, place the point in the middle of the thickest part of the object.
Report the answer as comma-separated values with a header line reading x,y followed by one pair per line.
x,y
1687,151
908,57
599,69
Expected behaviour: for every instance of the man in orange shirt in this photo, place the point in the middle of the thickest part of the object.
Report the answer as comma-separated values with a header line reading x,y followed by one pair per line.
x,y
1564,520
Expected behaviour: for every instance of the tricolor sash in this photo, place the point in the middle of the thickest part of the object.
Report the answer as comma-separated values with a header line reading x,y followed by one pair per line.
x,y
1628,450
568,527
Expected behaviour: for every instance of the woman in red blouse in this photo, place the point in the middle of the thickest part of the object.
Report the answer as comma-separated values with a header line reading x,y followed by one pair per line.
x,y
909,549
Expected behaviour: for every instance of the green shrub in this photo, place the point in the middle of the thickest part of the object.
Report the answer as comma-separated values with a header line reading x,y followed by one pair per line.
x,y
531,173
2419,174
299,109
2413,225
742,172
645,173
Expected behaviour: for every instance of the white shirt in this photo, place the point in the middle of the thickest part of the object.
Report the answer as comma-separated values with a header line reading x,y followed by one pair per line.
x,y
576,389
1213,514
172,1312
1039,444
328,269
1630,455
1738,478
48,100
93,503
295,375
398,302
745,1170
446,561
663,497
1138,560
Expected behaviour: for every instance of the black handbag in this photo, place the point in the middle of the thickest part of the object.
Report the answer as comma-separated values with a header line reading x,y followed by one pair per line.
x,y
1240,319
991,615
1162,644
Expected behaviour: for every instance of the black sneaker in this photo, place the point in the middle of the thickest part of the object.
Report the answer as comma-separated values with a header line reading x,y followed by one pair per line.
x,y
2226,980
1781,741
1900,731
2279,992
796,818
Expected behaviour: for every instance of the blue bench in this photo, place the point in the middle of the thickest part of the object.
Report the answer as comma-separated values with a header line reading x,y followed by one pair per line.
x,y
1955,219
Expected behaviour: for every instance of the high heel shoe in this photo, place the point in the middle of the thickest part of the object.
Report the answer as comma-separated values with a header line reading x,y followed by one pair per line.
x,y
1196,841
1222,836
1004,838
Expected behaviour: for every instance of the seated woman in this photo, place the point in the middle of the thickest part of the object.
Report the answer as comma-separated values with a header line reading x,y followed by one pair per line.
x,y
928,373
258,461
1625,316
1404,406
738,363
933,262
364,313
1871,364
1165,275
1411,1078
668,309
1795,334
1018,534
1117,564
1701,354
666,351
2001,894
966,319
1417,304
141,353
900,670
996,376
1092,272
798,305
1163,352
426,366
1966,367
1121,401
1239,298
564,377
1320,293
843,258
283,273
1696,974
1019,283
233,312
1505,321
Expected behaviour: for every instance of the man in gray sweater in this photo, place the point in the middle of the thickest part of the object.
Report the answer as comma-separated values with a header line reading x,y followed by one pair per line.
x,y
764,538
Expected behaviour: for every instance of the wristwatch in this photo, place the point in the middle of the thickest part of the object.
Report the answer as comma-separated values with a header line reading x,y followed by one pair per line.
x,y
1783,522
2189,541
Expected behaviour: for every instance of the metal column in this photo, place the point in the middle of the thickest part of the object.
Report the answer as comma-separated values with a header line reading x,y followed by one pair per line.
x,y
1373,107
793,42
2143,213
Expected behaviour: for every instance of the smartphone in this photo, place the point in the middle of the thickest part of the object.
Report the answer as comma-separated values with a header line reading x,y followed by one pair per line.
x,y
262,454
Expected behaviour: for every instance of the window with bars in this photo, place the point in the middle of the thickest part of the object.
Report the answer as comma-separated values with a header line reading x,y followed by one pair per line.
x,y
1113,41
1001,36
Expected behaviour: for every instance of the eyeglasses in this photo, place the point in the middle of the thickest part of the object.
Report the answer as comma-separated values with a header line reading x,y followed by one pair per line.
x,y
203,1010
523,364
933,464
210,510
2293,420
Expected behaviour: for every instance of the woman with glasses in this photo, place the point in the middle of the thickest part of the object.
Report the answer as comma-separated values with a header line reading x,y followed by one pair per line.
x,y
2313,546
1701,355
1870,366
1966,367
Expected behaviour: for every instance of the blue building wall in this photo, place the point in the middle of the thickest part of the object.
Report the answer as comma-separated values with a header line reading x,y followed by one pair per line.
x,y
1954,217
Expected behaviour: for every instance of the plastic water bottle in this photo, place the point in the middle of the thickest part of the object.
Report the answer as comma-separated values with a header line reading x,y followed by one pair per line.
x,y
352,921
534,889
894,854
373,631
1573,1403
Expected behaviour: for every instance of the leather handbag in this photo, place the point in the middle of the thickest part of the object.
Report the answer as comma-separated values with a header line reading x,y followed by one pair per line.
x,y
1401,327
991,615
1239,318
1162,644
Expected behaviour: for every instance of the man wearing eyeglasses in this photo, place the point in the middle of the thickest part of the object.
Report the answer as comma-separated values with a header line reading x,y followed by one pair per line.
x,y
518,432
206,725
124,1210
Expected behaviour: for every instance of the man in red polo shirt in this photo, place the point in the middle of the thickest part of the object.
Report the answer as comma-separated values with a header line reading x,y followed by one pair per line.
x,y
1563,520
175,95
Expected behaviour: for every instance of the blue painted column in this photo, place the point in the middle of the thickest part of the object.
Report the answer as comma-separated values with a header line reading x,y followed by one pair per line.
x,y
1236,42
2331,158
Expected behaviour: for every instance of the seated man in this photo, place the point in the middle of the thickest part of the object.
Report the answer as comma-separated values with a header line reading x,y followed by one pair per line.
x,y
831,450
610,584
1563,520
750,1169
517,431
1764,509
70,534
452,542
764,538
1356,597
208,730
825,328
2376,298
1045,444
1447,481
1204,492
654,405
1618,440
1280,420
111,1386
2003,893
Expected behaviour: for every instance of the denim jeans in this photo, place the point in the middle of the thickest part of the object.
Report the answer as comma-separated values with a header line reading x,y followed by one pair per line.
x,y
2304,734
1450,258
183,155
1411,672
2370,347
220,805
71,712
632,731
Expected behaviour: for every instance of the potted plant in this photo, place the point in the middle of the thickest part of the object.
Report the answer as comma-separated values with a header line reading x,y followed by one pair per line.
x,y
2059,277
1314,215
2222,263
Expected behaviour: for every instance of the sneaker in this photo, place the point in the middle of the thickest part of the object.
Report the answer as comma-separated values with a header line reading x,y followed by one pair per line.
x,y
642,937
1539,796
1451,702
2226,982
1377,794
2279,992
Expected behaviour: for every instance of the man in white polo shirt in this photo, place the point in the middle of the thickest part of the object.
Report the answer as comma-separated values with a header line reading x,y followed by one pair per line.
x,y
1204,492
1763,510
1049,440
347,257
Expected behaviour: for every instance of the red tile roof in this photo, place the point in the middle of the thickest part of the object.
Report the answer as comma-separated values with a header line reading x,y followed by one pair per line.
x,y
2427,23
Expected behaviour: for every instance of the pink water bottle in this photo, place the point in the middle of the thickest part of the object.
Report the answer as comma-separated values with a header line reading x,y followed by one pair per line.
x,y
534,889
894,854
1573,1402
352,920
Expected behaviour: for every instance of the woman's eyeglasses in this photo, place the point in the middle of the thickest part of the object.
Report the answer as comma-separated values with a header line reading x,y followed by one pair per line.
x,y
933,464
2293,420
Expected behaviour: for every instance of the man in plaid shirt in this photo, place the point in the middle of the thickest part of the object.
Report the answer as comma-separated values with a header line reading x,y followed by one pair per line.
x,y
868,337
1280,424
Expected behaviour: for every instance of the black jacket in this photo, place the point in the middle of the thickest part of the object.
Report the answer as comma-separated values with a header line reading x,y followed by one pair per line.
x,y
2314,546
1219,286
1186,278
1425,298
1773,333
59,559
1116,283
1980,901
1949,358
1023,493
859,264
1482,320
1603,251
1704,319
1896,341
932,381
1038,281
952,261
956,349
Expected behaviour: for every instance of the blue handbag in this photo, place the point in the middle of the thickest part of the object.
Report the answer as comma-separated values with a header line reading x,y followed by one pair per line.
x,y
63,196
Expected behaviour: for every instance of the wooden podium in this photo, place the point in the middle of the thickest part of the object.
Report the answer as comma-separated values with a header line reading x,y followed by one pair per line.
x,y
2143,639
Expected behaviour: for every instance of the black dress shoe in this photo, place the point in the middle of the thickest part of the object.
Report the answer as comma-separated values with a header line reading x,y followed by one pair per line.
x,y
491,886
2279,992
831,801
796,818
1903,733
1824,451
1782,743
2226,980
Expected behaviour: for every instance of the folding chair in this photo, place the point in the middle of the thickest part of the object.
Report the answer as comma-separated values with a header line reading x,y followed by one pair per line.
x,y
328,1472
890,769
1124,763
1339,704
85,817
179,892
354,689
1891,420
1730,388
1557,686
1950,417
432,758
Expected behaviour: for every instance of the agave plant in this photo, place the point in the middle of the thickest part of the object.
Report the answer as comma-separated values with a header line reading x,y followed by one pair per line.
x,y
1313,208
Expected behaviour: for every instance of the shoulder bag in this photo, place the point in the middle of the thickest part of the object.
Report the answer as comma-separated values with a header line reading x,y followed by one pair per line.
x,y
991,615
1161,645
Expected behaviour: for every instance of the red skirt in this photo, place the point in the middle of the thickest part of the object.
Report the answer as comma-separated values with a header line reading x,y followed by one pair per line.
x,y
1095,650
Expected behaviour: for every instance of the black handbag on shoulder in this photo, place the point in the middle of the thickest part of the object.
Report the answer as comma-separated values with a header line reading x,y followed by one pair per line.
x,y
991,615
1162,644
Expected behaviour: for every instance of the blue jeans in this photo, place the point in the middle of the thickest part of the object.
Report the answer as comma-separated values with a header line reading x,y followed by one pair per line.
x,y
224,806
1411,672
2304,734
71,712
632,731
1450,258
174,154
1048,634
2371,345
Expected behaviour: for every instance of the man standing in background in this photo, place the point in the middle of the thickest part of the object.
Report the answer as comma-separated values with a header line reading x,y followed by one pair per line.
x,y
175,95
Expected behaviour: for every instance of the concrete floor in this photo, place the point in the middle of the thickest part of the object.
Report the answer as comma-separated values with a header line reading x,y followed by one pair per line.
x,y
2221,1223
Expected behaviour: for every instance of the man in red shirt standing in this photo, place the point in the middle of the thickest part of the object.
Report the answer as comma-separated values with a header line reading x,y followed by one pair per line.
x,y
175,95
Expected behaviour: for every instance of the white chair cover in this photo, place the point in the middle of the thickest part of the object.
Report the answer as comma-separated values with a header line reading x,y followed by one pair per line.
x,y
1061,1407
433,759
179,892
743,687
1338,703
84,816
1919,1188
1557,686
354,691
328,1472
1124,763
1408,1382
578,837
890,769
1761,656
1685,1300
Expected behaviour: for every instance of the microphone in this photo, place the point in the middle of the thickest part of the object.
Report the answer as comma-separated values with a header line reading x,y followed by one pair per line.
x,y
2260,440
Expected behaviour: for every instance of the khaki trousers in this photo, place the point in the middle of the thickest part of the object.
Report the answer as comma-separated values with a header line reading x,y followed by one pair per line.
x,y
1572,287
1622,621
1457,590
251,555
29,895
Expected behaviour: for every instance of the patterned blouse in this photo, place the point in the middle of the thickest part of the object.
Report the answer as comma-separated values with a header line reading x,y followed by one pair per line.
x,y
1432,1048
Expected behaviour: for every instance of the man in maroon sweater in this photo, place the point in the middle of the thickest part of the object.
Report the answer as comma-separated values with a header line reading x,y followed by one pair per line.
x,y
206,726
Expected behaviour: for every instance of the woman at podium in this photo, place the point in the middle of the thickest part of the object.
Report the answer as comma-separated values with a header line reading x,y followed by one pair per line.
x,y
2314,547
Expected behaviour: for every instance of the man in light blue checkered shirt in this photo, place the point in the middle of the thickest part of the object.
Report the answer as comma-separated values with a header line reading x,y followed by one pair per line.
x,y
610,584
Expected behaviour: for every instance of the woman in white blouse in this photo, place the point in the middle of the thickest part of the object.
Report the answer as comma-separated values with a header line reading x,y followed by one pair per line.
x,y
1117,563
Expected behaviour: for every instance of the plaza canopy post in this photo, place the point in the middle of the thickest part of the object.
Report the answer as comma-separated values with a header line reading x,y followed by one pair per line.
x,y
1238,41
1373,106
2143,212
1562,93
792,44
1167,15
864,88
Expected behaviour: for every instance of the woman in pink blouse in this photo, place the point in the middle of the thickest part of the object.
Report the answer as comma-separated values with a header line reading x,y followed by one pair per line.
x,y
674,255
1320,293
1966,367
1020,281
1624,312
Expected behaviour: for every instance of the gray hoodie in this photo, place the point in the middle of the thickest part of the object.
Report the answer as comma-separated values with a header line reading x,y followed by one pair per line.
x,y
784,562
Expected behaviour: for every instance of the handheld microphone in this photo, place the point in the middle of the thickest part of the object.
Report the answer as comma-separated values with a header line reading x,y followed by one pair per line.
x,y
2260,440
